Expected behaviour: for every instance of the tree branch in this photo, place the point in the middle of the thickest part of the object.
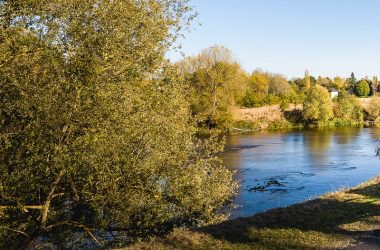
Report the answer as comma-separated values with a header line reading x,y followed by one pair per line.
x,y
76,224
15,230
46,206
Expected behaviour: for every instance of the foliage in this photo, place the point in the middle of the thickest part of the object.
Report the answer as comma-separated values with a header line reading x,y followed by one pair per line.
x,y
374,86
374,108
215,81
352,80
264,88
317,107
278,85
347,109
339,82
325,81
94,131
259,82
361,88
306,81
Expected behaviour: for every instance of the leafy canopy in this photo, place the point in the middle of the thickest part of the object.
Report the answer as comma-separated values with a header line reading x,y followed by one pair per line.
x,y
96,136
317,107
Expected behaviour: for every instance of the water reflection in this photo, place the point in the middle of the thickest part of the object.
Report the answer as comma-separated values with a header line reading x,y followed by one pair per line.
x,y
303,163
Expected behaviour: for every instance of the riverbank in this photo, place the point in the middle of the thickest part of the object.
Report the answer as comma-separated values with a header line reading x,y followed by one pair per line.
x,y
347,219
276,117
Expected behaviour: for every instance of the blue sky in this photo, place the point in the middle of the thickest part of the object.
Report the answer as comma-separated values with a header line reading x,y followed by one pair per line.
x,y
327,37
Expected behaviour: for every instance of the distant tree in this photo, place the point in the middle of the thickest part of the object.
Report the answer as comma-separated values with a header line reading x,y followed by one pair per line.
x,y
325,81
351,82
320,80
348,108
307,81
313,81
374,85
216,82
361,88
338,82
259,82
278,85
318,106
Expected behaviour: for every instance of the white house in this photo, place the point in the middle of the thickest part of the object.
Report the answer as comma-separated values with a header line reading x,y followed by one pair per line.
x,y
333,92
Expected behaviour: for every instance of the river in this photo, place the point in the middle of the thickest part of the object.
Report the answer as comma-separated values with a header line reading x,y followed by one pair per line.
x,y
280,168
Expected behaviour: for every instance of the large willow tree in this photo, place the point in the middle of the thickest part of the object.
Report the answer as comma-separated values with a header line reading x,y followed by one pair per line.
x,y
95,136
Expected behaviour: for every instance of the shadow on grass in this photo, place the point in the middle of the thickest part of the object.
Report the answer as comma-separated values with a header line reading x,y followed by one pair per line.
x,y
323,216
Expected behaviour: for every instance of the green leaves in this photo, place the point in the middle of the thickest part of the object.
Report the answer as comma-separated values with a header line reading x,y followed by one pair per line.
x,y
317,107
95,124
361,88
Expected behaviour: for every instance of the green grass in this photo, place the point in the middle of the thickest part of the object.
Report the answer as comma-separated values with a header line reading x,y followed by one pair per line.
x,y
333,221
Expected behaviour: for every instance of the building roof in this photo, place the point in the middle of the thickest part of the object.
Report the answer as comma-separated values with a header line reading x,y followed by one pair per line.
x,y
333,90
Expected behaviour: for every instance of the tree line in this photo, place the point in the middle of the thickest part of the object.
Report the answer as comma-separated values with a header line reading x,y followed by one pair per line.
x,y
217,83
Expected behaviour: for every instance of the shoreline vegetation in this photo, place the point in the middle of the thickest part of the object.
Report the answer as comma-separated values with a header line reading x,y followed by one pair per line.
x,y
345,219
223,97
248,120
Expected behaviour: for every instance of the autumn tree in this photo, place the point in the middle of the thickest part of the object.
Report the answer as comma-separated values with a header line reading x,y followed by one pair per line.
x,y
318,106
347,109
306,80
216,81
278,85
259,82
338,82
361,88
374,85
95,134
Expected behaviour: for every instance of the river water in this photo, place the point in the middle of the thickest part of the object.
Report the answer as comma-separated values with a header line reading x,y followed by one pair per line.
x,y
280,168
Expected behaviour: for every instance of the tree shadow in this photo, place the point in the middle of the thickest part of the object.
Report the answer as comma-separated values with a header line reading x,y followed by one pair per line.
x,y
294,116
324,215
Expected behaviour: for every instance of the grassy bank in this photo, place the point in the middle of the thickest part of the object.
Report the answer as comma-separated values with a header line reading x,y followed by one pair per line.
x,y
340,220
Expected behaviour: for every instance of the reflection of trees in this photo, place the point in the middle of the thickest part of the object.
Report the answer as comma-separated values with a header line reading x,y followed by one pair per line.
x,y
346,135
318,141
232,160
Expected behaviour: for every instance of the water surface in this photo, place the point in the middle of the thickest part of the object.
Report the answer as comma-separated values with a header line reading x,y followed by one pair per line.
x,y
280,168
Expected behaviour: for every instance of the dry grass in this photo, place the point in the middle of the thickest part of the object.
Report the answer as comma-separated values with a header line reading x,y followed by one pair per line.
x,y
364,102
265,117
269,113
